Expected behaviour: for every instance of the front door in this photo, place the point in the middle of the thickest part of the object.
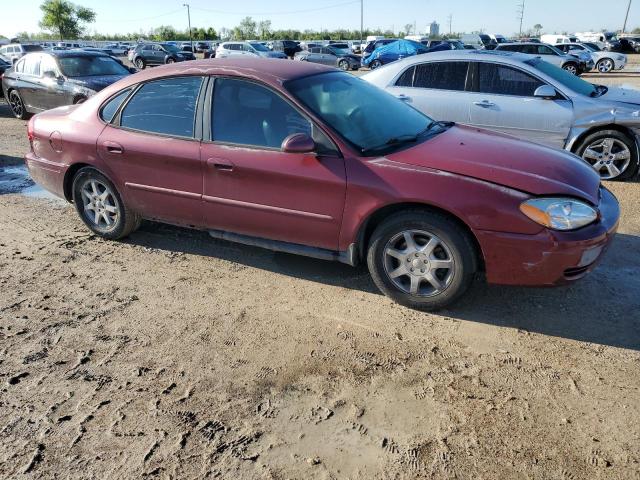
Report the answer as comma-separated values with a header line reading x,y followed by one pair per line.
x,y
252,187
504,102
153,154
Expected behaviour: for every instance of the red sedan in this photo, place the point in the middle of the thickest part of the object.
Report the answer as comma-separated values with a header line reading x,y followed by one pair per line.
x,y
303,158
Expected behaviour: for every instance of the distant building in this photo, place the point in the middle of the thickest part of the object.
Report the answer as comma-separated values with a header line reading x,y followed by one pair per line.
x,y
434,29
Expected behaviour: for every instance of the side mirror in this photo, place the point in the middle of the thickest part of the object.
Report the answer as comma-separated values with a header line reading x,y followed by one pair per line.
x,y
545,91
298,143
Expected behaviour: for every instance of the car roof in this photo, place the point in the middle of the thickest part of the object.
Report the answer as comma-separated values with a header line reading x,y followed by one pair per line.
x,y
273,71
74,53
468,55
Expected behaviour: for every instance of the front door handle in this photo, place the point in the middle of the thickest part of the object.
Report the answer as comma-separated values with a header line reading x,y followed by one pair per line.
x,y
404,98
485,104
113,147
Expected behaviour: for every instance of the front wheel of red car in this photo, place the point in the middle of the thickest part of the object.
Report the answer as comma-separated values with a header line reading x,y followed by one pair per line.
x,y
422,259
100,206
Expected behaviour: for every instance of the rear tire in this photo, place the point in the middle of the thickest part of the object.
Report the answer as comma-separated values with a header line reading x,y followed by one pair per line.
x,y
375,64
100,206
140,63
427,270
572,68
17,105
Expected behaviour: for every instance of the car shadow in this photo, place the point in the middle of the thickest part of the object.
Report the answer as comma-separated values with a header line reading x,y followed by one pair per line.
x,y
602,309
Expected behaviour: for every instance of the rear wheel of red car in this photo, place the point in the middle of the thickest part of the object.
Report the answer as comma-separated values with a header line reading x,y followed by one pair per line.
x,y
100,207
375,64
422,259
611,153
140,63
17,105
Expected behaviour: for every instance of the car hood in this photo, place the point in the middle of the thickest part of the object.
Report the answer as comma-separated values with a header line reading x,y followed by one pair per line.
x,y
506,161
96,83
624,95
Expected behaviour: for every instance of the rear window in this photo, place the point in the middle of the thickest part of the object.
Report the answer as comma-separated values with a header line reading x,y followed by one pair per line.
x,y
441,75
112,106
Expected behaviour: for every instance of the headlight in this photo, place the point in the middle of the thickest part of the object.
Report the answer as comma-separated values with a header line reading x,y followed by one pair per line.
x,y
559,213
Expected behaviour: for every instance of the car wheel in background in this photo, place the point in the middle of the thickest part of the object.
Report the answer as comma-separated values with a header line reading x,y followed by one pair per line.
x,y
422,259
605,65
375,64
572,68
17,105
100,207
170,60
140,63
613,154
343,65
79,100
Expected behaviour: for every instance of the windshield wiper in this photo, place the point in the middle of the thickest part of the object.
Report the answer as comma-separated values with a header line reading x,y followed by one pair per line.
x,y
404,139
440,123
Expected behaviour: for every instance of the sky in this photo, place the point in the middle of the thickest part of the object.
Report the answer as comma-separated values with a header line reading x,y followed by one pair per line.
x,y
492,16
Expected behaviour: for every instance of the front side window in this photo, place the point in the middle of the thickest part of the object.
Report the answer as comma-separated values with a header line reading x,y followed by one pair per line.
x,y
441,75
245,113
503,80
19,68
165,106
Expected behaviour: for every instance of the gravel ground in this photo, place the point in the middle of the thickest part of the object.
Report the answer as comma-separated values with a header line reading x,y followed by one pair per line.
x,y
174,355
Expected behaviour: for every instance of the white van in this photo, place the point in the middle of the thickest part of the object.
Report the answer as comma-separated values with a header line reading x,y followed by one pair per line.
x,y
557,39
417,38
604,40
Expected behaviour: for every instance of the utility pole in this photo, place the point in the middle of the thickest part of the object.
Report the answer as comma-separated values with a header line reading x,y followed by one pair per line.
x,y
450,19
624,29
521,13
189,18
361,23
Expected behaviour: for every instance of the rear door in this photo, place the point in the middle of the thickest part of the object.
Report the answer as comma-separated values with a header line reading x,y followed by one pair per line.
x,y
437,89
504,102
252,187
152,149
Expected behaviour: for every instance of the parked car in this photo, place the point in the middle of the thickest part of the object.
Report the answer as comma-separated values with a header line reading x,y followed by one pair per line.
x,y
211,50
186,47
558,39
158,54
43,80
392,52
526,97
15,51
375,44
607,41
630,44
246,49
337,55
4,66
605,61
68,45
106,51
288,47
451,44
574,64
117,48
305,159
477,40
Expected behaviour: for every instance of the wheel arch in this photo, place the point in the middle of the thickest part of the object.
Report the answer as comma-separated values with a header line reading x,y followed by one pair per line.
x,y
577,142
69,175
375,218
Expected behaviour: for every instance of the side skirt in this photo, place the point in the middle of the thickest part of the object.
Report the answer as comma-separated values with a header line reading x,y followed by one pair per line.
x,y
348,257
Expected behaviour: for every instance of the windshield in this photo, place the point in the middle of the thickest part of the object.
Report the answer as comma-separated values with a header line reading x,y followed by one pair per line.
x,y
90,66
259,47
485,39
171,48
593,46
339,49
567,79
611,37
369,118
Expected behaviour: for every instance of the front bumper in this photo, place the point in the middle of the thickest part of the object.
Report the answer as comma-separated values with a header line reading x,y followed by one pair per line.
x,y
550,258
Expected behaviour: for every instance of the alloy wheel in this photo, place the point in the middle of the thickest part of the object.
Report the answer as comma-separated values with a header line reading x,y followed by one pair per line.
x,y
605,65
140,64
609,157
344,65
571,68
419,263
15,102
100,205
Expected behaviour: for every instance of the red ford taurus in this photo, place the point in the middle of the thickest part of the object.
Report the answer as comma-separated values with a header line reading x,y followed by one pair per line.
x,y
303,158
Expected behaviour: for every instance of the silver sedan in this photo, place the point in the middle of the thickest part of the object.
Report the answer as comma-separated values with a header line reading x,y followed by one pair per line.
x,y
524,96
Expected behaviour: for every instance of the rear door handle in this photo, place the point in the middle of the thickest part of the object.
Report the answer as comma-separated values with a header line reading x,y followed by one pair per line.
x,y
484,104
113,147
404,98
221,164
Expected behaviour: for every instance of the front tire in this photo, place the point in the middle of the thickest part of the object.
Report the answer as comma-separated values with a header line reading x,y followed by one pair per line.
x,y
100,206
422,259
170,60
605,65
17,105
613,154
140,63
375,64
343,65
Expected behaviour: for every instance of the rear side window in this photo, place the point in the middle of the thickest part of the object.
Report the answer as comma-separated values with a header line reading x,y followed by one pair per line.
x,y
111,107
32,65
19,68
503,80
441,75
245,113
406,79
166,107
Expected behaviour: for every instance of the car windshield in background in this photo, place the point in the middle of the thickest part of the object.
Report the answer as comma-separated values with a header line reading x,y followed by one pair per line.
x,y
259,47
89,66
559,52
171,48
368,117
339,49
593,46
32,48
567,79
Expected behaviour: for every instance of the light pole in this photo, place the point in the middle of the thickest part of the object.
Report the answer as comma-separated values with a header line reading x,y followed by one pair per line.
x,y
189,17
624,29
361,23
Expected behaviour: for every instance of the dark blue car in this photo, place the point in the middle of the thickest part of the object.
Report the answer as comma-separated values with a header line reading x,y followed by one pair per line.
x,y
395,51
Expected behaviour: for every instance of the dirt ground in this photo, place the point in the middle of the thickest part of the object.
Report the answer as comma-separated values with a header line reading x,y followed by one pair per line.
x,y
173,355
